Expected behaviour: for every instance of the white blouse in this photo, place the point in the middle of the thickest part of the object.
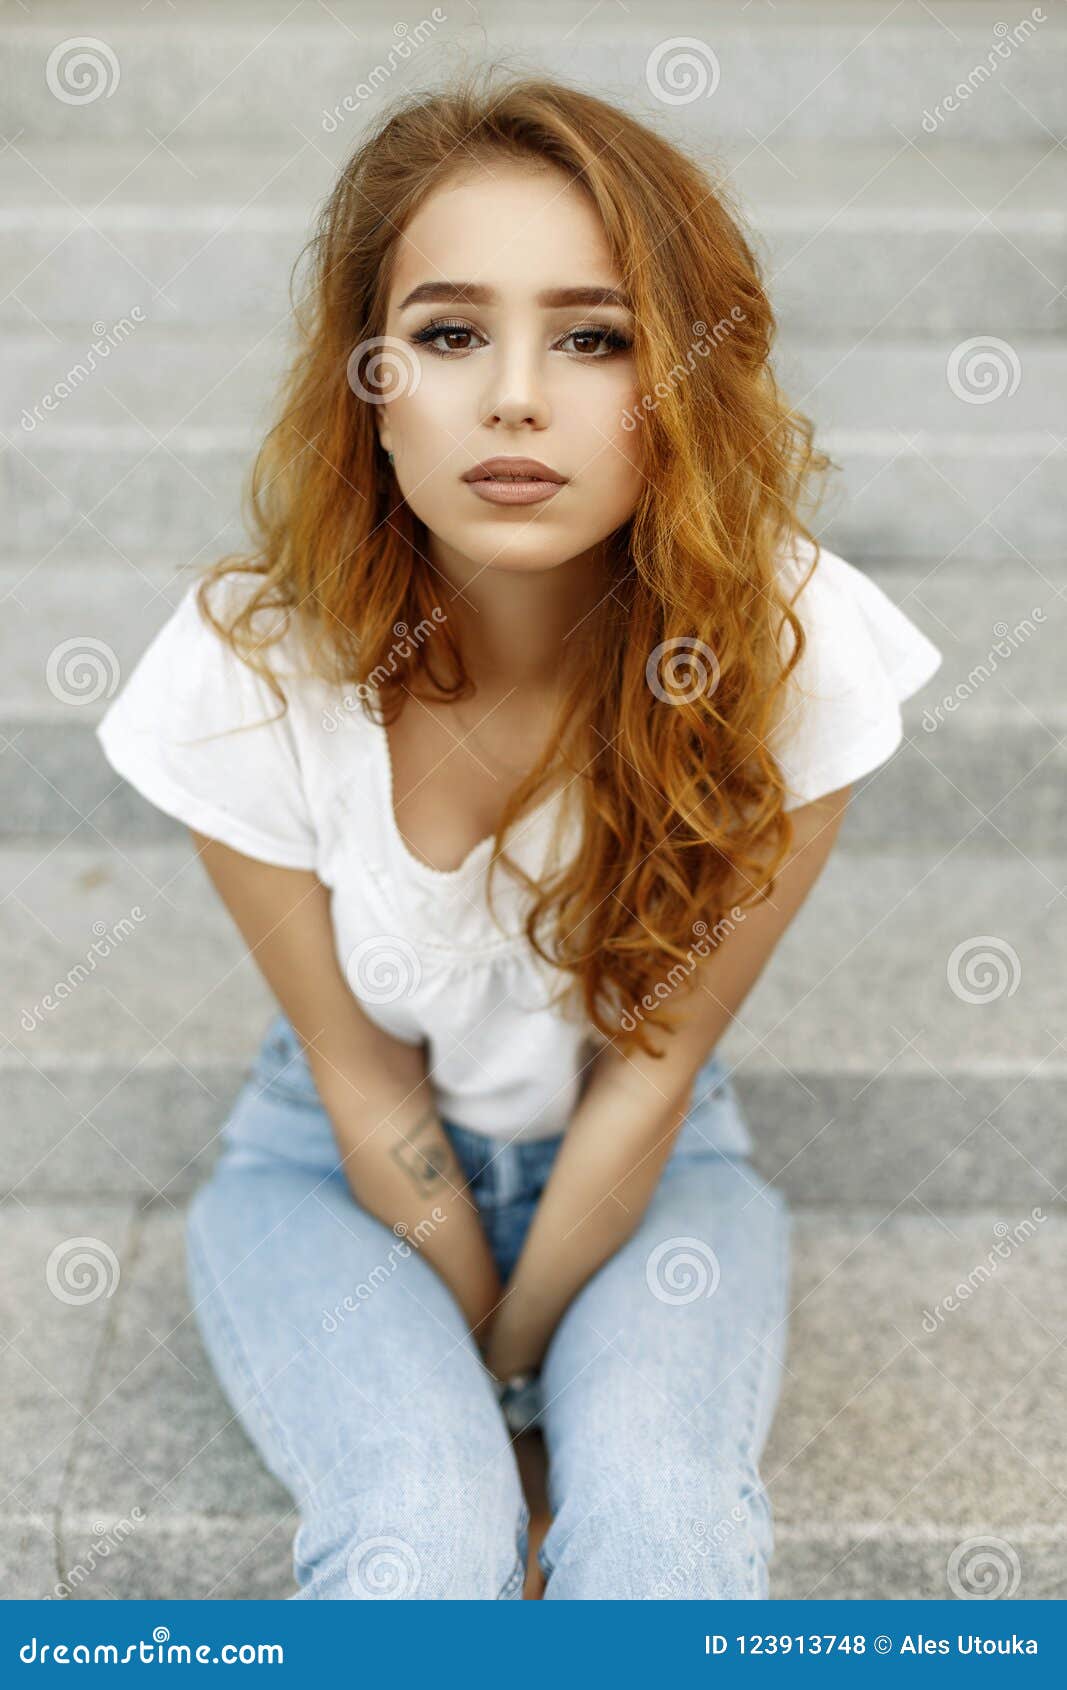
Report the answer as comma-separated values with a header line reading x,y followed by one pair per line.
x,y
418,945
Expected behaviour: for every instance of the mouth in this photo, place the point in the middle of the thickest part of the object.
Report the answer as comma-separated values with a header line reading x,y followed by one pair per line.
x,y
513,481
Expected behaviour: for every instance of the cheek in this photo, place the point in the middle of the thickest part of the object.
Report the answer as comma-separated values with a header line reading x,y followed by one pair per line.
x,y
603,415
418,417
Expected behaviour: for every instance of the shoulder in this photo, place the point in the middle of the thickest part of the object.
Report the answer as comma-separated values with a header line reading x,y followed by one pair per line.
x,y
862,656
201,733
847,616
275,634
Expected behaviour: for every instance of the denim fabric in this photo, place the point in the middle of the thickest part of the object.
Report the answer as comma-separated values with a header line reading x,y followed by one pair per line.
x,y
349,1364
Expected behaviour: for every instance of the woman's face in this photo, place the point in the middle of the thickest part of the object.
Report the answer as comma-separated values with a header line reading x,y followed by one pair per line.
x,y
502,357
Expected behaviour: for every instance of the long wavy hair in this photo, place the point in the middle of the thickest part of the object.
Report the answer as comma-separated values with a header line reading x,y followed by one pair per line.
x,y
677,681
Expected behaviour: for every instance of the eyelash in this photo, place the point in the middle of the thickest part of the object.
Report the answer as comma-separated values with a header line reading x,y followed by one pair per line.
x,y
612,338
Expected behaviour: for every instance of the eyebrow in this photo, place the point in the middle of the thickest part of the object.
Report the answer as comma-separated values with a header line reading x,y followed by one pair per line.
x,y
472,293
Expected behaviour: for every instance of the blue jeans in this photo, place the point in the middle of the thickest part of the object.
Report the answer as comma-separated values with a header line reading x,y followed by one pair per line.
x,y
349,1363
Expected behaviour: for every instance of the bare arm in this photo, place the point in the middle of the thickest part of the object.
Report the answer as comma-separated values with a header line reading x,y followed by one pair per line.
x,y
398,1160
623,1129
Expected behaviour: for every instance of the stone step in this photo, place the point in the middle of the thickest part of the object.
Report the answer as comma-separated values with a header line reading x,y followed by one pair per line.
x,y
951,481
904,1047
260,68
925,1364
982,738
896,237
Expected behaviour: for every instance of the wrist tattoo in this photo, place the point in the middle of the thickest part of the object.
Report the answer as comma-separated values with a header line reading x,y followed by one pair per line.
x,y
425,1155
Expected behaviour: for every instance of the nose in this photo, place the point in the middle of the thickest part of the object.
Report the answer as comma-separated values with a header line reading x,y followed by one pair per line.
x,y
517,391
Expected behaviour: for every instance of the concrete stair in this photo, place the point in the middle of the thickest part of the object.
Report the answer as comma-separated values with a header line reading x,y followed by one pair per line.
x,y
851,69
911,1129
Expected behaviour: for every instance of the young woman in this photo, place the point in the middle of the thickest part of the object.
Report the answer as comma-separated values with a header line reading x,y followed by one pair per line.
x,y
512,750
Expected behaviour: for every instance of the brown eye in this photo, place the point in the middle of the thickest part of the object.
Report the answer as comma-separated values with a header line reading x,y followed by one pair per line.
x,y
448,332
599,342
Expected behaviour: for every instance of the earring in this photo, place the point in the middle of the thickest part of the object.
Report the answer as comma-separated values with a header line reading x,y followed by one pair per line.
x,y
389,456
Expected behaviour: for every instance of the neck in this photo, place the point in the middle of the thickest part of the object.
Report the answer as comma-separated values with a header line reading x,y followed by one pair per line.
x,y
518,629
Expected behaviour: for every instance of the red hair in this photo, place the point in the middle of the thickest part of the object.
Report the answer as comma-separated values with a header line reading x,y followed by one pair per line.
x,y
681,802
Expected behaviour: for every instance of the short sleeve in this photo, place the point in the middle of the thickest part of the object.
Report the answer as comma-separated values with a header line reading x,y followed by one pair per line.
x,y
201,735
841,706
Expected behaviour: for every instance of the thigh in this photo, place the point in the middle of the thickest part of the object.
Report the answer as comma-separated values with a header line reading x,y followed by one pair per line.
x,y
326,1329
662,1377
350,1365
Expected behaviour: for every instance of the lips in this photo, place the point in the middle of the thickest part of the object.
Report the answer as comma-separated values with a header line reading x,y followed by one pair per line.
x,y
513,469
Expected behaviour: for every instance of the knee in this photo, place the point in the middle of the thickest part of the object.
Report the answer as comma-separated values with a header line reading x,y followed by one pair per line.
x,y
688,1531
416,1534
720,1543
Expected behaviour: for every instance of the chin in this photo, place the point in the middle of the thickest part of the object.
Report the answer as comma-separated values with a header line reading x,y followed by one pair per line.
x,y
519,556
510,544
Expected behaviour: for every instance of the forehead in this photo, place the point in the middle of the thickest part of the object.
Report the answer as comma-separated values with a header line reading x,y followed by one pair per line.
x,y
519,228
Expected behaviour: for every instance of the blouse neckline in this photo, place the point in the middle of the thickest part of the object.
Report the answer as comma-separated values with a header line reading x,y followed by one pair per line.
x,y
439,877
